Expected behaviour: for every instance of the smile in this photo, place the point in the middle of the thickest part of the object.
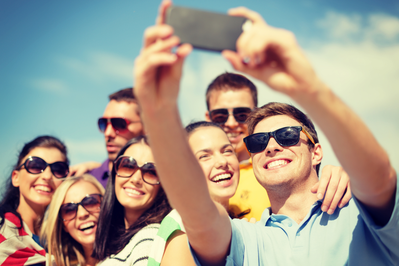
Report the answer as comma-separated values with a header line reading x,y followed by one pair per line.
x,y
86,226
222,177
277,163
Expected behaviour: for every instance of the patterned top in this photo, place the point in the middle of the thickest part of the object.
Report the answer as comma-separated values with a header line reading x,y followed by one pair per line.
x,y
136,252
17,246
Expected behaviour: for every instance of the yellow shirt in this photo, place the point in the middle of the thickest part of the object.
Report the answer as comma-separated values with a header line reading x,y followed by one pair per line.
x,y
250,194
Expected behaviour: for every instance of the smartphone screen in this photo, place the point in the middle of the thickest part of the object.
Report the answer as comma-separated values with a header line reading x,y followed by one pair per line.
x,y
205,30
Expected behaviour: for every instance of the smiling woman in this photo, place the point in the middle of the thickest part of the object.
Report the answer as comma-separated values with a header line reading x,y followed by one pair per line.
x,y
134,205
70,228
42,164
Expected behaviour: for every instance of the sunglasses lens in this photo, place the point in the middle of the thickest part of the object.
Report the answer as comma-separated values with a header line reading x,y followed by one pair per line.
x,y
92,203
102,124
241,114
256,142
125,166
35,165
219,116
118,124
68,211
149,173
288,136
59,169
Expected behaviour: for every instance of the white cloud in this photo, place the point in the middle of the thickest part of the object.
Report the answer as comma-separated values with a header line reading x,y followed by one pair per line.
x,y
50,85
383,26
340,25
100,66
86,150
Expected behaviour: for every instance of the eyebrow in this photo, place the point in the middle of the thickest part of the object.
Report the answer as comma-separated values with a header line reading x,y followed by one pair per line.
x,y
209,150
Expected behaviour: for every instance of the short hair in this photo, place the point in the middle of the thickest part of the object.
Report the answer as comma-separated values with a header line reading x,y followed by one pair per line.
x,y
273,109
111,234
59,243
231,81
125,95
10,200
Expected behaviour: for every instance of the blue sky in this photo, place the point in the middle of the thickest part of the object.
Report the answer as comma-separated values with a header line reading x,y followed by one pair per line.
x,y
59,60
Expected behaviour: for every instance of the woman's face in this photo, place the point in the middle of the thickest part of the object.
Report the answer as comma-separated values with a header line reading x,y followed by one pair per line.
x,y
216,156
83,227
132,192
36,190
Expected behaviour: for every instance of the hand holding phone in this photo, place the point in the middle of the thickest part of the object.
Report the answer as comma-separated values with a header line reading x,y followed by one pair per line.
x,y
206,30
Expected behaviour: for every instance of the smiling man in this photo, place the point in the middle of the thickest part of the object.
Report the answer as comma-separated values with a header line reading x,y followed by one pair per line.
x,y
230,98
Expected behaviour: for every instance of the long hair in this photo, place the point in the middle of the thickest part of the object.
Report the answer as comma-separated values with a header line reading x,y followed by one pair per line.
x,y
111,234
66,250
10,201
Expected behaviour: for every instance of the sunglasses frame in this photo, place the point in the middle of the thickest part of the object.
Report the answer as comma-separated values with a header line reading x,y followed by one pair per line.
x,y
273,134
109,121
137,168
80,203
31,158
227,113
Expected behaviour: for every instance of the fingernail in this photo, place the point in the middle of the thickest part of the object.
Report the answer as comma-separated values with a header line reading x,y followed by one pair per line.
x,y
323,208
319,196
246,60
330,211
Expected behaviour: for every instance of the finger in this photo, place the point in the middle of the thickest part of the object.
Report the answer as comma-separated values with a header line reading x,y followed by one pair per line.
x,y
315,187
253,220
330,193
245,219
245,12
324,181
337,197
184,50
162,12
234,59
161,46
152,34
345,199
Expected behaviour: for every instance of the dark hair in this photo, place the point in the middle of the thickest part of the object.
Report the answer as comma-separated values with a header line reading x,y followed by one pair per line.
x,y
231,81
125,95
194,125
10,201
111,234
273,109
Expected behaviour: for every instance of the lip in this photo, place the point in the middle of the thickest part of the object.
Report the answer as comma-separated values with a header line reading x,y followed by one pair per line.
x,y
41,189
224,183
277,161
89,231
133,192
235,139
112,148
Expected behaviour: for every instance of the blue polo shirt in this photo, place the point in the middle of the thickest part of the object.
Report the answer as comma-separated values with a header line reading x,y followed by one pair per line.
x,y
348,237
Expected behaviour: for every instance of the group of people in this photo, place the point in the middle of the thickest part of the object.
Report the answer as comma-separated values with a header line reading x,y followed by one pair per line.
x,y
241,187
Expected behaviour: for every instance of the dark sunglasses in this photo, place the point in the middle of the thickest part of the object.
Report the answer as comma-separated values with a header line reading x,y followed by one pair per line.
x,y
126,166
119,124
220,116
36,165
90,203
286,136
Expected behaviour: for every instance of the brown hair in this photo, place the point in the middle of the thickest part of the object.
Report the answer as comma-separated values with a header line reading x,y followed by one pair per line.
x,y
231,81
273,109
125,95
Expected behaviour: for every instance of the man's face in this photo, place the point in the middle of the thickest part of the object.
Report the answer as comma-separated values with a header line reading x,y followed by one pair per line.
x,y
230,99
279,166
116,140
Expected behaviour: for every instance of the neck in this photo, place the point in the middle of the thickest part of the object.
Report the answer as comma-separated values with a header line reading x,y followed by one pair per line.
x,y
30,214
110,165
293,201
88,250
243,155
131,217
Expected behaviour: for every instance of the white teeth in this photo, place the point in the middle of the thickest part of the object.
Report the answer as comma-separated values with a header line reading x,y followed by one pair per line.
x,y
43,188
277,163
222,177
86,225
232,135
132,191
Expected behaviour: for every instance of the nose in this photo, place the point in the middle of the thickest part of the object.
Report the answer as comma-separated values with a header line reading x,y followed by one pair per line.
x,y
136,178
273,146
47,174
231,121
81,213
221,161
109,131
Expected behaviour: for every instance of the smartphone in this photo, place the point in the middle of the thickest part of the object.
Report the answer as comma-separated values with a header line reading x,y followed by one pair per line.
x,y
206,30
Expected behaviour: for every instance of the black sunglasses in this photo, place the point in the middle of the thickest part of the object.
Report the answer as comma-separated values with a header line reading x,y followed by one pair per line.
x,y
286,136
119,124
220,116
126,166
36,165
90,203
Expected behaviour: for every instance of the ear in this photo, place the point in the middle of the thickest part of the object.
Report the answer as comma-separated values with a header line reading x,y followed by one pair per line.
x,y
207,118
15,178
317,154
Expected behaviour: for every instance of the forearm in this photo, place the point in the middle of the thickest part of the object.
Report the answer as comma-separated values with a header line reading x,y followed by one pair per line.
x,y
372,177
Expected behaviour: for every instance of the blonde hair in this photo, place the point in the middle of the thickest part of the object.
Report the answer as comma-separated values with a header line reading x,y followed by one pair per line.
x,y
66,250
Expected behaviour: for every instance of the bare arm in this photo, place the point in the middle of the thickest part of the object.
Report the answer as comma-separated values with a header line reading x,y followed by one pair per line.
x,y
177,251
276,59
157,74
